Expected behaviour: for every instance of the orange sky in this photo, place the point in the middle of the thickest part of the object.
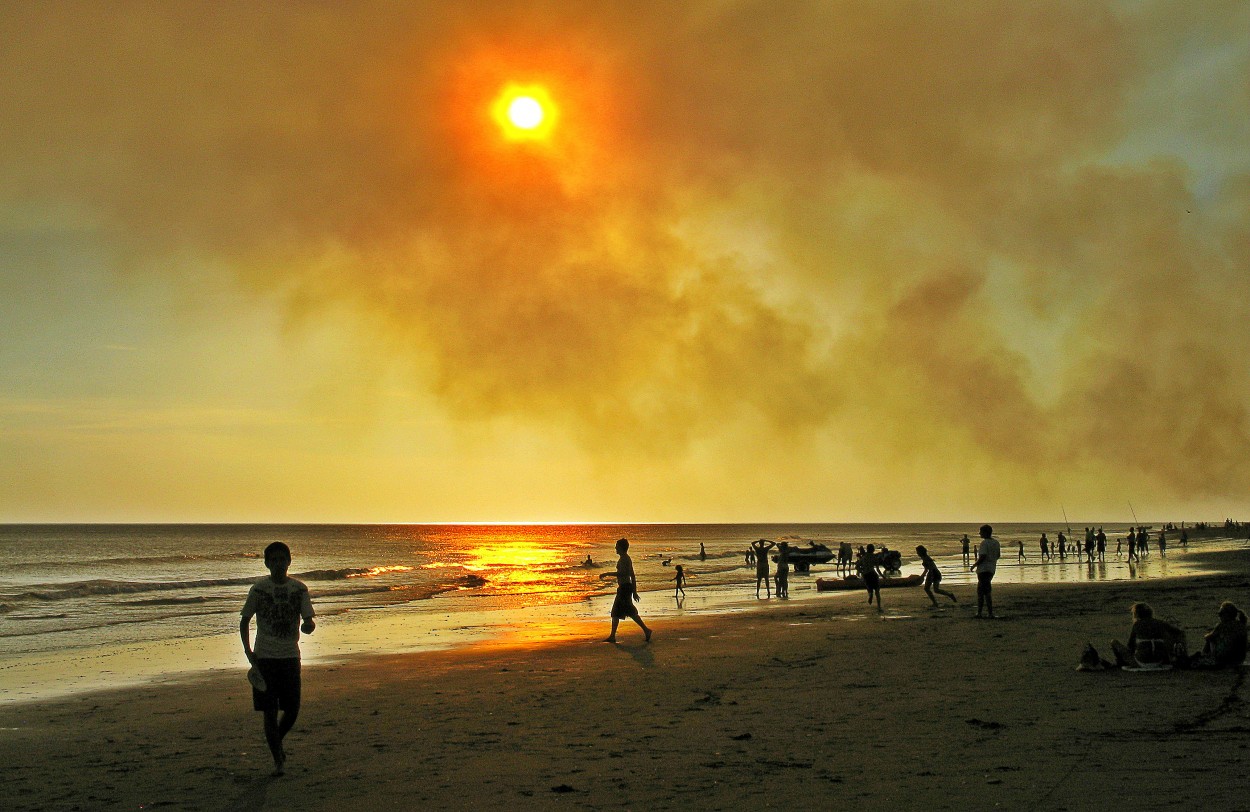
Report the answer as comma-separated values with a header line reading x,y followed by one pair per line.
x,y
848,261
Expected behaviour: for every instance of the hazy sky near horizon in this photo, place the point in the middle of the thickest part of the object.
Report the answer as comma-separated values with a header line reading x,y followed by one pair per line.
x,y
828,261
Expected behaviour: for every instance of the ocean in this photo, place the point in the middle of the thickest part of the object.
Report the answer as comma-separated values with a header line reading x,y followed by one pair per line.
x,y
71,594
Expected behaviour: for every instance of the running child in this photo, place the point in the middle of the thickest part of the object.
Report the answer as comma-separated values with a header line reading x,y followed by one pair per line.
x,y
932,577
277,602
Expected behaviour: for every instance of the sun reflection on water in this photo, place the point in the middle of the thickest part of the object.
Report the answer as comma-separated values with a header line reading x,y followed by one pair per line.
x,y
372,571
518,566
512,554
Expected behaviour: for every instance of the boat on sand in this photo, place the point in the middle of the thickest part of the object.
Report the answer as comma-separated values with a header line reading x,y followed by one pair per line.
x,y
855,582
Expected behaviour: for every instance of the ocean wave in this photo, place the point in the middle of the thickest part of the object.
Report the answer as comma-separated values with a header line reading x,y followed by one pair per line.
x,y
87,589
88,623
180,558
333,575
103,586
168,601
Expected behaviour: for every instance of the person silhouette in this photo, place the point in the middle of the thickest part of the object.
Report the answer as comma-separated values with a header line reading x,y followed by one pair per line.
x,y
760,549
680,578
932,576
277,601
783,570
868,570
988,553
1225,645
626,592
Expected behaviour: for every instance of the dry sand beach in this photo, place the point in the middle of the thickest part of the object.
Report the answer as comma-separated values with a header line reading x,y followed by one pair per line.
x,y
789,707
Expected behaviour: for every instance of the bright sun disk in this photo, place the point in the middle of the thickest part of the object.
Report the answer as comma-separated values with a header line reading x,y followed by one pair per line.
x,y
524,112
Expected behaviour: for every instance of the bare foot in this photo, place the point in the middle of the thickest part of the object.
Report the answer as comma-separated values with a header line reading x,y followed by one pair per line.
x,y
610,640
648,636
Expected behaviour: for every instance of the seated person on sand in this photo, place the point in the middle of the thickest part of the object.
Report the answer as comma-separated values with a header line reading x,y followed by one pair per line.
x,y
1151,643
1225,644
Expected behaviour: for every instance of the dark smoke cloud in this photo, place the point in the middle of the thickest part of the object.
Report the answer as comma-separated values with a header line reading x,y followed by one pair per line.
x,y
903,225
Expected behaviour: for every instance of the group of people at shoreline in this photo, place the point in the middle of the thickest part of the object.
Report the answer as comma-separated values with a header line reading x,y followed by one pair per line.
x,y
282,608
1094,548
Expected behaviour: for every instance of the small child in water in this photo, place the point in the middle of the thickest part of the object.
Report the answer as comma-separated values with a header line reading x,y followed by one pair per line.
x,y
680,578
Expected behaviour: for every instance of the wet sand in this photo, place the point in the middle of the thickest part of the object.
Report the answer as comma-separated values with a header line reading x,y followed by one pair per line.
x,y
806,705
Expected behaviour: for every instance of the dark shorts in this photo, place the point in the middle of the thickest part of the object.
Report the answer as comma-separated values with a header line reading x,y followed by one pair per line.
x,y
623,605
983,582
282,685
872,581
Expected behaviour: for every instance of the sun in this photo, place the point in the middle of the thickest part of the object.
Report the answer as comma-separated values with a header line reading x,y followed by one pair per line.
x,y
524,112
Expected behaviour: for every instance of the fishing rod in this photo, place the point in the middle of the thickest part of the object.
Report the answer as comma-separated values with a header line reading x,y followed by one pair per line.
x,y
1130,510
1065,519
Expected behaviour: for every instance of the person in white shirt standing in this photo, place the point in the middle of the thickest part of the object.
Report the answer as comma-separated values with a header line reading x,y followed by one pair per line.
x,y
277,602
987,562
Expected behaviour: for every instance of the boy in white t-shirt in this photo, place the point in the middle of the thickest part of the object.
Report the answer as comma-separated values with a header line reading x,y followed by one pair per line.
x,y
988,553
277,602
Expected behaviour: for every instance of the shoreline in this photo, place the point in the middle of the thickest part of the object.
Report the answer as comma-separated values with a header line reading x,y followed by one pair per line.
x,y
452,622
804,704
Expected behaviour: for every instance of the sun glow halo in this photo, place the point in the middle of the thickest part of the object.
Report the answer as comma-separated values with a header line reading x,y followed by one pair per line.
x,y
524,112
